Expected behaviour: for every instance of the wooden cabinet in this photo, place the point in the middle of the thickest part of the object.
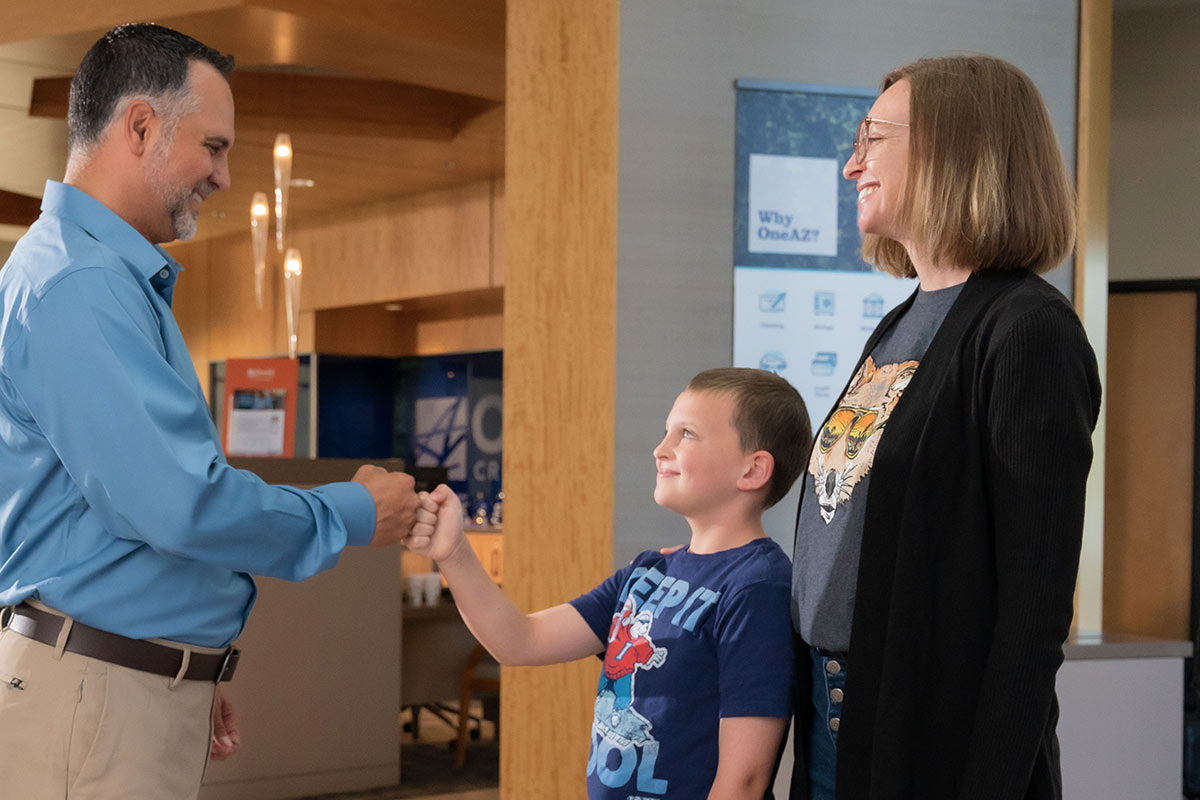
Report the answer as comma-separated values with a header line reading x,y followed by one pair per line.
x,y
431,244
489,547
438,256
488,544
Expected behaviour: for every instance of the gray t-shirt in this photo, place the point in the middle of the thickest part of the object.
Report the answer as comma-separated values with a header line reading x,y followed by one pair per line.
x,y
829,530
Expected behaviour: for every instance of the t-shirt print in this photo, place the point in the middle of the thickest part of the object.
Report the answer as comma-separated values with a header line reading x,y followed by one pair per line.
x,y
846,443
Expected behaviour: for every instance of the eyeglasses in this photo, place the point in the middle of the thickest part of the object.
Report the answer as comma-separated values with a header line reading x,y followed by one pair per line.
x,y
862,139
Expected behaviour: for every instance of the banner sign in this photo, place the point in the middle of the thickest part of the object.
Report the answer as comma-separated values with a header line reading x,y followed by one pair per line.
x,y
260,406
804,300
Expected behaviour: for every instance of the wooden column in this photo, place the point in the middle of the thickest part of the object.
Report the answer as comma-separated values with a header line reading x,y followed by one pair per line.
x,y
1091,274
559,363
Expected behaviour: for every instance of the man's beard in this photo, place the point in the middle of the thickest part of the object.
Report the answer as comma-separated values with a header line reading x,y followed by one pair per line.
x,y
174,198
183,221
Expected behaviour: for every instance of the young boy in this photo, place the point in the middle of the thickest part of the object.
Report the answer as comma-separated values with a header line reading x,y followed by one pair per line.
x,y
694,694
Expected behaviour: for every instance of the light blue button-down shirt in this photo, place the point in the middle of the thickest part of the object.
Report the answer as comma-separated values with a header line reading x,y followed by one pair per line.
x,y
116,503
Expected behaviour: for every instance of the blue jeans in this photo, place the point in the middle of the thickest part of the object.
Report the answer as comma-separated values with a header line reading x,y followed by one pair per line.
x,y
828,694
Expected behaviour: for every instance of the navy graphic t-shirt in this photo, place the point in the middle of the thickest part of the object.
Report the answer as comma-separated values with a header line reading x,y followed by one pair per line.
x,y
690,639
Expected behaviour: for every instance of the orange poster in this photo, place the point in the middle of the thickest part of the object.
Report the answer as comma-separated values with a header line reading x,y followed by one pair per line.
x,y
260,407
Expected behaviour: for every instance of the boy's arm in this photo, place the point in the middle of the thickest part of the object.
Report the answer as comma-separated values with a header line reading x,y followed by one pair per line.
x,y
746,759
550,636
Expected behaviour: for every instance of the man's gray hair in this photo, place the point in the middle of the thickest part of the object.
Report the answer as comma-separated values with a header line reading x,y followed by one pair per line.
x,y
141,61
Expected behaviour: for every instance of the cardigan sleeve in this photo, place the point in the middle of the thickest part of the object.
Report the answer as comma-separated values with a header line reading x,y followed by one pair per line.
x,y
1039,394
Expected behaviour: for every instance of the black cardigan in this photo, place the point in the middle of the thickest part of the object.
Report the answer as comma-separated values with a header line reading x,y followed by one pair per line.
x,y
970,551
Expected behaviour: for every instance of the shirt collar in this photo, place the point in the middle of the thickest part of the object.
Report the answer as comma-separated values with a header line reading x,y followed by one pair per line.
x,y
107,227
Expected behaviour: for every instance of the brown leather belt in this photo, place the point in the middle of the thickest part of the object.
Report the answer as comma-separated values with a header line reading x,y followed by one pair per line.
x,y
136,654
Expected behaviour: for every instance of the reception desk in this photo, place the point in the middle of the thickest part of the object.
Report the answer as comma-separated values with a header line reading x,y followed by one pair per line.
x,y
317,689
318,686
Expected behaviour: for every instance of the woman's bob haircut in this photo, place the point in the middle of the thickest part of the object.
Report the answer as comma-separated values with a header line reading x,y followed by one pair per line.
x,y
985,187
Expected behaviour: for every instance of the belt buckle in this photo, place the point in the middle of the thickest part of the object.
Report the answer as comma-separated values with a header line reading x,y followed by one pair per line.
x,y
229,665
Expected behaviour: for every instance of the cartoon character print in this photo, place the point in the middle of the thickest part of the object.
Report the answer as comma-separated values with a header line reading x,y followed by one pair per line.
x,y
845,447
630,649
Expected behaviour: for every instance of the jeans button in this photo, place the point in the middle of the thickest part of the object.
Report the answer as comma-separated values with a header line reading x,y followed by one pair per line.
x,y
836,695
833,667
834,724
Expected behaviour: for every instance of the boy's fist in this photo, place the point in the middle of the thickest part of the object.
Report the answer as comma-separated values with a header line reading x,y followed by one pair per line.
x,y
438,529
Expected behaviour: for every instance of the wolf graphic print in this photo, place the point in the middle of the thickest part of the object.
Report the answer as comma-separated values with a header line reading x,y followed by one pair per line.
x,y
688,639
845,446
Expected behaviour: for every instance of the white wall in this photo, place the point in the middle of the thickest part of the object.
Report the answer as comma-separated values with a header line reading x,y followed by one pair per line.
x,y
1154,189
679,59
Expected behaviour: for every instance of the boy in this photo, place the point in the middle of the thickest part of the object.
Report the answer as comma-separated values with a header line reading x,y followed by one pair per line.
x,y
694,694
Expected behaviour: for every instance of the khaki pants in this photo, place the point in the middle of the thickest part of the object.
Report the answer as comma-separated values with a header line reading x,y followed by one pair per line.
x,y
75,728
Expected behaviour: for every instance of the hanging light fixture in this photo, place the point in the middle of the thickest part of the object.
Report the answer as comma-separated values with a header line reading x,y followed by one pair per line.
x,y
259,214
292,268
283,179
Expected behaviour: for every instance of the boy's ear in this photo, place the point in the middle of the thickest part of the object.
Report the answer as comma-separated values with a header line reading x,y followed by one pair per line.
x,y
758,472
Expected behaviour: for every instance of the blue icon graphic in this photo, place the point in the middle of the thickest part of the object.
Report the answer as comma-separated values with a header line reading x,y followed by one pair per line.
x,y
772,362
823,304
824,363
772,302
873,306
440,436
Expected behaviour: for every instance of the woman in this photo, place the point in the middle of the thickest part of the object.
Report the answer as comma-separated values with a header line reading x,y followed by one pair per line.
x,y
940,523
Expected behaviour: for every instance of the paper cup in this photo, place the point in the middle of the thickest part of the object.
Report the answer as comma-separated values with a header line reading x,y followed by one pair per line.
x,y
414,590
432,588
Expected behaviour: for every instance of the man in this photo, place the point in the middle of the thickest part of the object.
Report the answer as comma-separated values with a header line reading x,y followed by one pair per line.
x,y
126,540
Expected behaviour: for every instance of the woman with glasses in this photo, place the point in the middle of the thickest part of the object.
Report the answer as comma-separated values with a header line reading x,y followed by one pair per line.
x,y
940,522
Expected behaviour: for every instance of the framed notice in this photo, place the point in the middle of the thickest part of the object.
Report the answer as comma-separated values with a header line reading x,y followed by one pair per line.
x,y
804,300
260,406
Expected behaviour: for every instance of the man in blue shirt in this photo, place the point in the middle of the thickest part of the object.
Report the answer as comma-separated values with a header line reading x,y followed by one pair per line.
x,y
126,540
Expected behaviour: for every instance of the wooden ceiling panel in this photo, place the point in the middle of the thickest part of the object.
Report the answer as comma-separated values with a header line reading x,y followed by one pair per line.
x,y
458,47
475,26
349,171
320,103
24,20
381,100
261,37
353,106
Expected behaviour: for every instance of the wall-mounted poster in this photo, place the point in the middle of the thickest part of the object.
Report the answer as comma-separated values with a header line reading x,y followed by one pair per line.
x,y
804,300
260,406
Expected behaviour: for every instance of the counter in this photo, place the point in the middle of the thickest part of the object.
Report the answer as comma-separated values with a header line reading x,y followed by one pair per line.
x,y
318,687
1120,726
317,690
1086,645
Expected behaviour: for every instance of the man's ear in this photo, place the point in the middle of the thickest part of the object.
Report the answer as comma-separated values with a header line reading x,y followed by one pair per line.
x,y
139,125
758,471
